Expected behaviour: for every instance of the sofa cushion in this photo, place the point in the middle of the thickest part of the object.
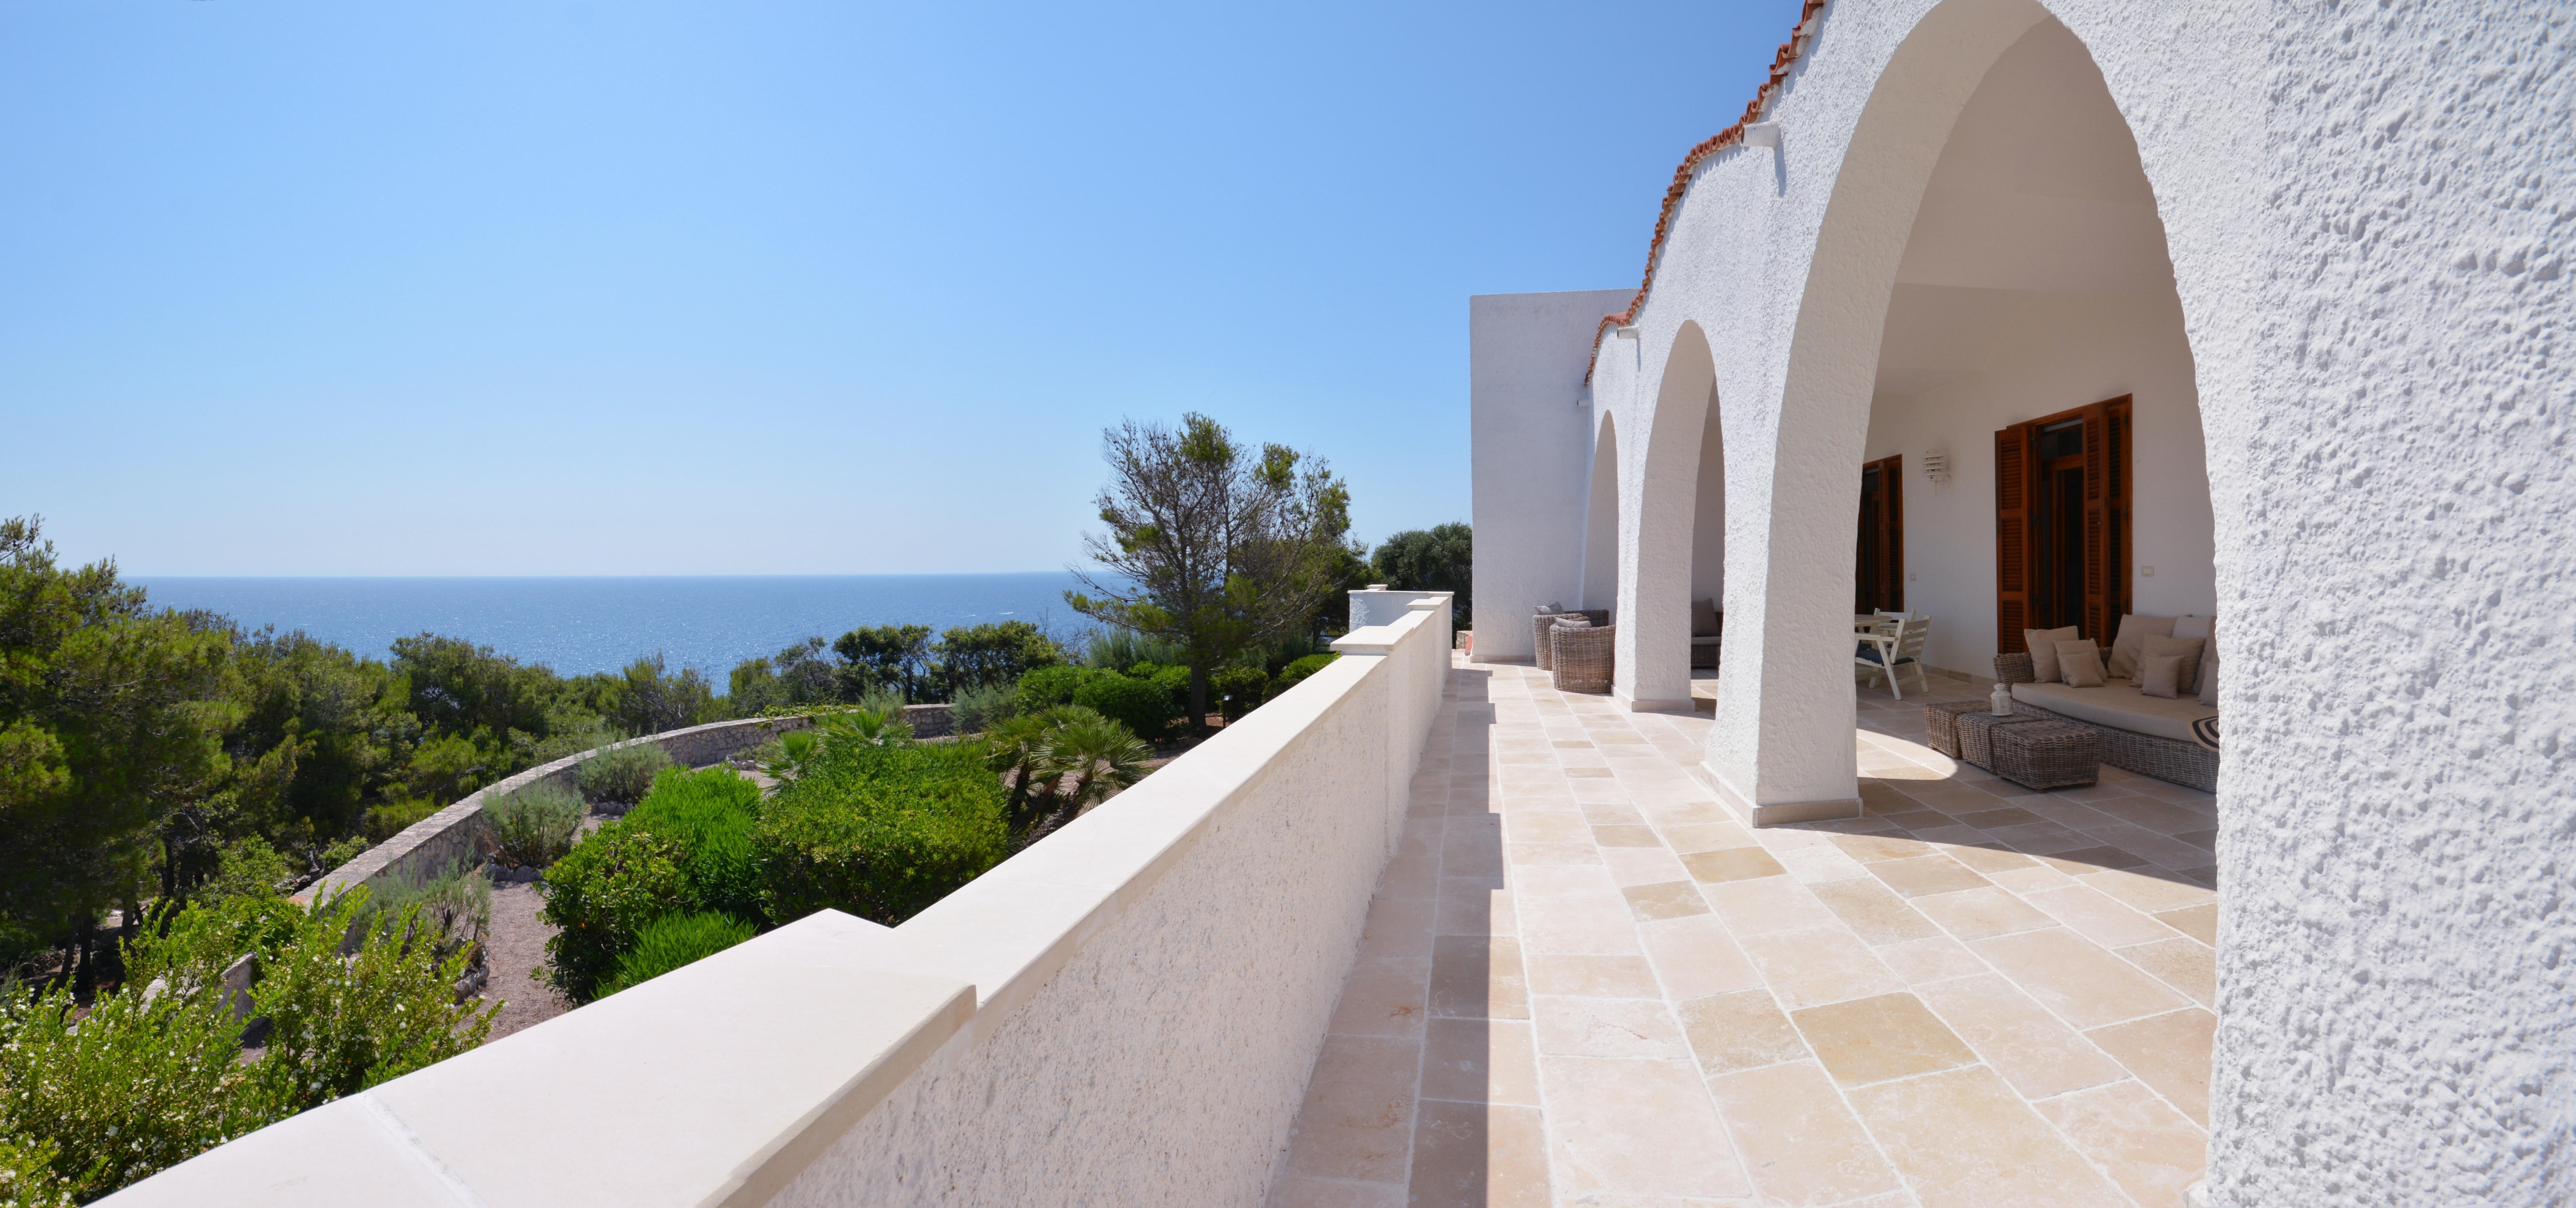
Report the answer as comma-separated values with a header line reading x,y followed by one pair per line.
x,y
2133,633
2157,674
2079,663
2119,706
2206,629
2187,649
2042,644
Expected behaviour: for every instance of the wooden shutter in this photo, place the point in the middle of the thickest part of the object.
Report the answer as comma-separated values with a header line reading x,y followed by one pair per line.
x,y
2106,517
1891,535
2116,495
2016,491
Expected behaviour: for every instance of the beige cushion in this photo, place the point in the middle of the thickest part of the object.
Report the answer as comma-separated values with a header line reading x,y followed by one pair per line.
x,y
2042,644
2187,649
2158,672
2133,632
2206,629
1703,618
2079,663
2209,677
2114,705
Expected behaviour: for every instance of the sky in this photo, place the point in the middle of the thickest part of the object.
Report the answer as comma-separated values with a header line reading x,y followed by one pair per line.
x,y
775,287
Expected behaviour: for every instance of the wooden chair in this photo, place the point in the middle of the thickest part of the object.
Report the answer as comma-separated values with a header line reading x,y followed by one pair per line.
x,y
1889,653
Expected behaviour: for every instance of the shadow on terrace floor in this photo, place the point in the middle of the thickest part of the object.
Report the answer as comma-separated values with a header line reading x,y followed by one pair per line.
x,y
1582,981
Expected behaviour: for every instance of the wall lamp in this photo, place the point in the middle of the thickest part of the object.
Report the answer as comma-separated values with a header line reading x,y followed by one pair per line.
x,y
1762,134
1625,333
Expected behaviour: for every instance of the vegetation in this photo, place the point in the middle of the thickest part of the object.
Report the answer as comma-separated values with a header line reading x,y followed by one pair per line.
x,y
150,1077
1441,558
534,826
621,774
674,940
1296,672
1056,763
1141,705
1211,549
980,708
881,831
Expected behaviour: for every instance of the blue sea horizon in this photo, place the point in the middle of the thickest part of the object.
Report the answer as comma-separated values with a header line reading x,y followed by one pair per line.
x,y
581,624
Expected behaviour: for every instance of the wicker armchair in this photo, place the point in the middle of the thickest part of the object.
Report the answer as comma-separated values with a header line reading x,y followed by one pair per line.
x,y
1541,623
1582,657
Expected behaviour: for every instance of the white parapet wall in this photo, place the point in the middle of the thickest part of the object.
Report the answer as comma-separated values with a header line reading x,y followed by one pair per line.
x,y
1125,1013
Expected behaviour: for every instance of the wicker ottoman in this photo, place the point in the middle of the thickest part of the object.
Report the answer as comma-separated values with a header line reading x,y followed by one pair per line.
x,y
1583,657
1941,724
1975,734
2047,754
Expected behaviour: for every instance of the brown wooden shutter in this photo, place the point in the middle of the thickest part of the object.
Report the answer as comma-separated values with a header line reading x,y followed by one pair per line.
x,y
2097,527
2016,489
1891,544
2115,498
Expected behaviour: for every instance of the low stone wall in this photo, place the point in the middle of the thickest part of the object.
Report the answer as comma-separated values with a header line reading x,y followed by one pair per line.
x,y
1125,1013
457,833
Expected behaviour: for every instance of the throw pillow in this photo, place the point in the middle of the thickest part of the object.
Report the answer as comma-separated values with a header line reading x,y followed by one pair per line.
x,y
1703,618
2133,633
2209,677
2157,673
2042,644
1573,620
2204,628
2080,664
2186,649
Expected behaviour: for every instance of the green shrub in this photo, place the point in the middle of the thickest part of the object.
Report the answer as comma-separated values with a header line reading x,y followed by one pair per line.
x,y
709,815
674,940
27,1178
600,896
1118,650
1049,687
1140,705
1296,672
248,868
976,710
535,826
388,820
1239,690
881,832
344,851
453,905
340,1024
621,774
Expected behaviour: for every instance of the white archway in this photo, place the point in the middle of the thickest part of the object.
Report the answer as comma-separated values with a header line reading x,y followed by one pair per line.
x,y
1658,543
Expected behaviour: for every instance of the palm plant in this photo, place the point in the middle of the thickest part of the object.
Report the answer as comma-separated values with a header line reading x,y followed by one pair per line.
x,y
865,727
1099,755
797,751
1017,751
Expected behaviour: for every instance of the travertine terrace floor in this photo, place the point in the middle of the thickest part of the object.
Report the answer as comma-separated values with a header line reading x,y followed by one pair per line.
x,y
1583,983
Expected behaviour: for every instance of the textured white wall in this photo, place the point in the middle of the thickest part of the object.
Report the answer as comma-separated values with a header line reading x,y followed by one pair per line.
x,y
2367,213
1708,526
1532,451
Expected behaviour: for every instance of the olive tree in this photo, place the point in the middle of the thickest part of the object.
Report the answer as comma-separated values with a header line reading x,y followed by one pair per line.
x,y
1210,547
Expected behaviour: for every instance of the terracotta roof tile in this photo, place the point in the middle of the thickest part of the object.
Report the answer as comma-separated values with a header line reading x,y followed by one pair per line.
x,y
1809,15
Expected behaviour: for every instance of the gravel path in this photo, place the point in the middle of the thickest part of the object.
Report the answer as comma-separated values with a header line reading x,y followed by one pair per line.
x,y
516,948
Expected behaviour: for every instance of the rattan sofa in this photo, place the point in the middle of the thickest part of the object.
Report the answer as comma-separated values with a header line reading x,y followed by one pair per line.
x,y
2180,761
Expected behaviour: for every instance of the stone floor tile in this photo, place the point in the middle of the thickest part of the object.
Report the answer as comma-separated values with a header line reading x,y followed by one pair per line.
x,y
1739,1031
1633,866
1950,835
2164,818
1963,1139
2162,848
1875,1039
1986,861
1872,849
1605,1027
1670,900
1708,836
1477,977
1975,914
1929,960
1562,880
1634,1127
2033,879
1357,1123
1409,878
1480,1061
1572,924
2170,1053
1592,976
1612,813
1476,1155
2034,1050
1799,1140
1923,875
1472,908
1733,864
2198,922
2148,893
1814,865
1568,827
2080,981
1398,928
1766,905
1819,965
2084,861
1626,836
1873,911
1696,956
1299,1192
2149,1149
1519,854
1384,997
2095,916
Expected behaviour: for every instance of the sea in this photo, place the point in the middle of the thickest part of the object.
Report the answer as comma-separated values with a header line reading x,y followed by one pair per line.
x,y
581,625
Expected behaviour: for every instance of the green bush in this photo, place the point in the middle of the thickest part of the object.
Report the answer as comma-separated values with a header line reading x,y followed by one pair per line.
x,y
600,896
1296,672
1239,690
344,851
882,832
27,1178
976,710
1049,687
709,815
535,826
1119,650
621,774
340,1024
1143,706
388,820
455,903
674,940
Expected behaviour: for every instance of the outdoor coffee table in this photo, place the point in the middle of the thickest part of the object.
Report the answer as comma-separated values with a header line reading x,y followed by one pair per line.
x,y
1941,724
1975,730
2047,754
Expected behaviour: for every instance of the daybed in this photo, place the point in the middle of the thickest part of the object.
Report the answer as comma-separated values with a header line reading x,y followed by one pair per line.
x,y
2173,740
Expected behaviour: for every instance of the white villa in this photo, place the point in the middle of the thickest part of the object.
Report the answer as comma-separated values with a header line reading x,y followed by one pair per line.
x,y
2218,343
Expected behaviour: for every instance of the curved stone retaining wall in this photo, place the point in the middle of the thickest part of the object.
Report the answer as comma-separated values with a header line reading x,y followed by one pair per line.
x,y
457,832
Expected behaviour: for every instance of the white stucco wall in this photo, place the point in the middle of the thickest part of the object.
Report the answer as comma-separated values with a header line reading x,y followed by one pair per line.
x,y
2367,216
2051,352
1125,1013
1532,449
1708,524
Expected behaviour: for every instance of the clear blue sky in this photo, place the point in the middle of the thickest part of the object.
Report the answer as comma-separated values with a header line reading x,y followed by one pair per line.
x,y
779,287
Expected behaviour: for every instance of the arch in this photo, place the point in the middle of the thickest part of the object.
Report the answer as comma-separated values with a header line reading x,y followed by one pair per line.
x,y
1601,527
1653,661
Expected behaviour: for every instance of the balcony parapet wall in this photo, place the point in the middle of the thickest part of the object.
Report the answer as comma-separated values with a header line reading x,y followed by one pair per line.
x,y
1125,1013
